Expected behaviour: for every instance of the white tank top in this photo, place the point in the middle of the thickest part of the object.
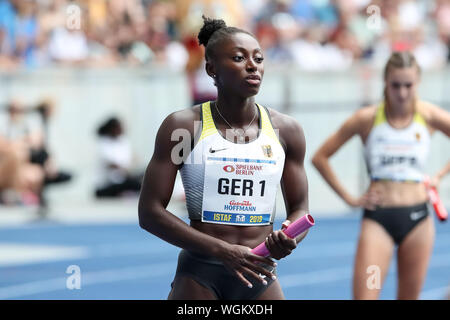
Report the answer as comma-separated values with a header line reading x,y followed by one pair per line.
x,y
229,183
397,154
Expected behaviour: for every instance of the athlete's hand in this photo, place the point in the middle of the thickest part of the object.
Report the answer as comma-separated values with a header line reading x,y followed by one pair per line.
x,y
242,262
279,244
435,181
369,200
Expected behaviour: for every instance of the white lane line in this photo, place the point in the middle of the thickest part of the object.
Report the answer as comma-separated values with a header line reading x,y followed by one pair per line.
x,y
348,247
339,249
345,273
23,254
87,279
19,254
442,239
288,281
164,269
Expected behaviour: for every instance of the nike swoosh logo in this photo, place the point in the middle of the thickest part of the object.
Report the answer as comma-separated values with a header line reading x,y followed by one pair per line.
x,y
416,215
211,150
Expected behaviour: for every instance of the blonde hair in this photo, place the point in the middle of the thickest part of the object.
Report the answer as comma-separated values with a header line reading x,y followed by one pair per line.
x,y
399,60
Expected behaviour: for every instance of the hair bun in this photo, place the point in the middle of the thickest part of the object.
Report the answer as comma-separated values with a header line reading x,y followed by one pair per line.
x,y
209,27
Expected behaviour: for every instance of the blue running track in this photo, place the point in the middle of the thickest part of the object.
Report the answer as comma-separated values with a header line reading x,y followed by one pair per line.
x,y
122,261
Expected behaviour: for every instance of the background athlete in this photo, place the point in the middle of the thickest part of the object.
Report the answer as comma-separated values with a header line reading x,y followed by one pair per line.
x,y
217,262
396,137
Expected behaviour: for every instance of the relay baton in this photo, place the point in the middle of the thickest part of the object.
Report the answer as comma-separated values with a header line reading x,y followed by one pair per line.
x,y
292,230
436,201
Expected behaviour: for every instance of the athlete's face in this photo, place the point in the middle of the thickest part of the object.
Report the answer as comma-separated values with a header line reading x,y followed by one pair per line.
x,y
238,65
401,85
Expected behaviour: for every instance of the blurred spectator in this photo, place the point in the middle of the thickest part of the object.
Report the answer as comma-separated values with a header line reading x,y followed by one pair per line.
x,y
26,31
286,31
313,53
34,33
200,84
303,11
20,127
407,28
442,16
25,131
132,9
20,180
189,13
189,21
158,35
68,45
7,35
115,175
41,155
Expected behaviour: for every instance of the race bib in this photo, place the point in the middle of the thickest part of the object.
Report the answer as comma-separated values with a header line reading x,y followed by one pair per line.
x,y
239,191
396,161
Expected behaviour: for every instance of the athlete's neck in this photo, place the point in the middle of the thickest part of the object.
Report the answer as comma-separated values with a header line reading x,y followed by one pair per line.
x,y
399,112
400,116
237,111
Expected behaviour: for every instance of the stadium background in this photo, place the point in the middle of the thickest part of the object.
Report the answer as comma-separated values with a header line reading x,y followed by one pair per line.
x,y
138,60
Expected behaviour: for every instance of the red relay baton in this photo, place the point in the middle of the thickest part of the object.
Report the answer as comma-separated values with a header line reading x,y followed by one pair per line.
x,y
436,201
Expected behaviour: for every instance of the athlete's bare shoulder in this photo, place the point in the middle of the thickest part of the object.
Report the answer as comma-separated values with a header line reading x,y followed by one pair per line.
x,y
422,104
168,137
362,120
436,118
290,130
427,109
182,119
366,114
281,120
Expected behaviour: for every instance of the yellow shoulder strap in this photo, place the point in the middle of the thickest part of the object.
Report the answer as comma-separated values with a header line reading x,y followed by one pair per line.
x,y
266,124
380,117
418,118
208,126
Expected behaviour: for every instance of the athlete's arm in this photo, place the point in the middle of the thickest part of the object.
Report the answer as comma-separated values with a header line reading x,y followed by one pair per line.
x,y
439,119
436,179
352,126
294,184
155,195
156,191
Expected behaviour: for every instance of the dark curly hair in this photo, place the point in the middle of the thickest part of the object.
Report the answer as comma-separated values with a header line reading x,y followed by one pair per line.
x,y
213,31
107,128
